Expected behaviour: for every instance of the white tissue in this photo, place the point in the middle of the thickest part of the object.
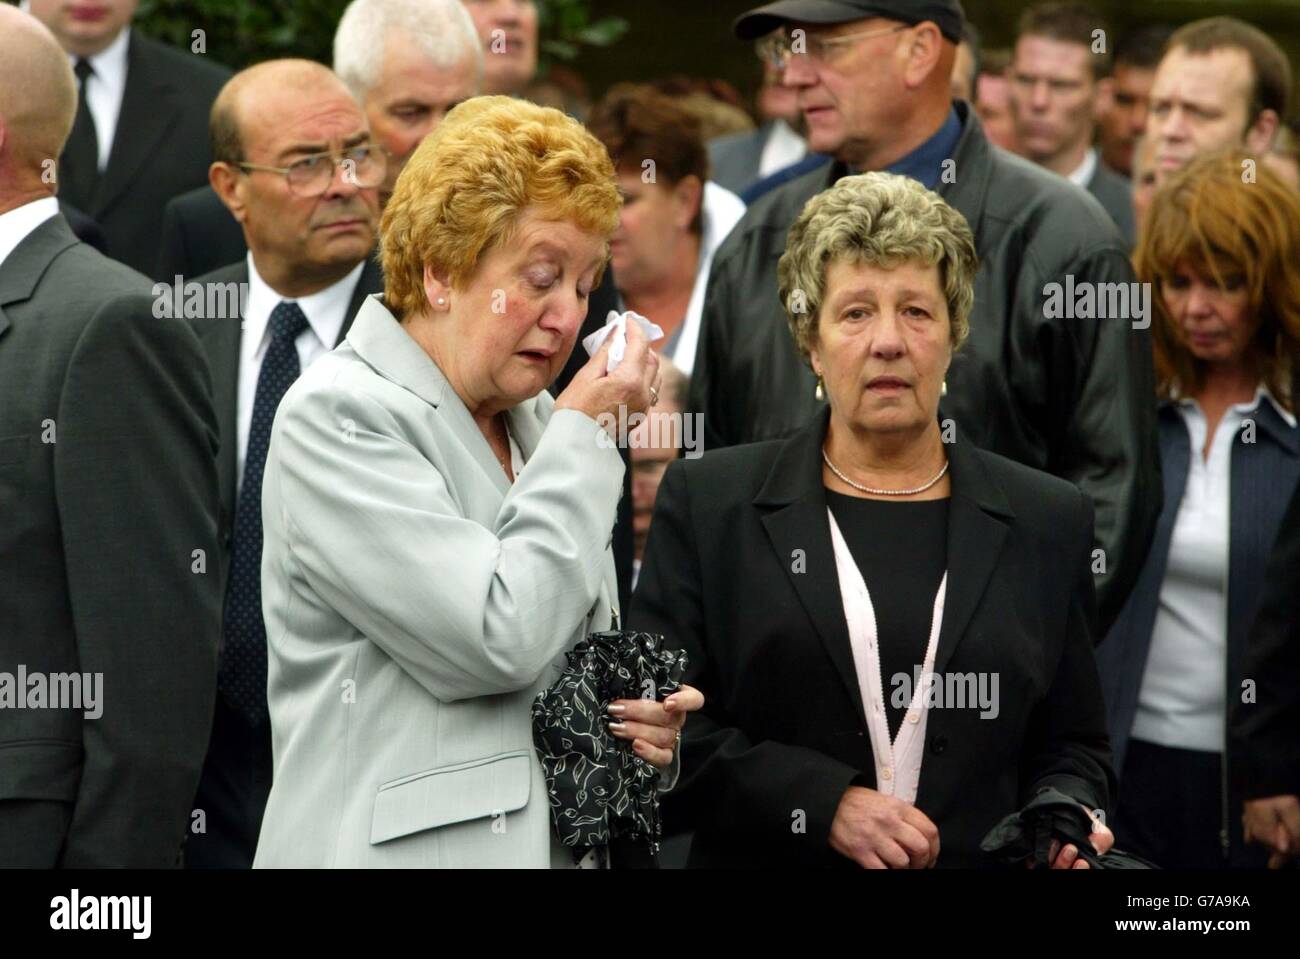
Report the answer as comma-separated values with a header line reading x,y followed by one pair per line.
x,y
617,322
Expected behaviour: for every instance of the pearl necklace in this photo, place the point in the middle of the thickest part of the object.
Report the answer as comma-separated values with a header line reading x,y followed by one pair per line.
x,y
884,492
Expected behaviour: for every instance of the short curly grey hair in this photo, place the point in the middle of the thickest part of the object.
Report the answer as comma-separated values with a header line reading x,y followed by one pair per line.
x,y
883,220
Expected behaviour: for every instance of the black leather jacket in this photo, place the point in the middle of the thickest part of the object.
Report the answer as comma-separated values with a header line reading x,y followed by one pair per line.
x,y
1074,397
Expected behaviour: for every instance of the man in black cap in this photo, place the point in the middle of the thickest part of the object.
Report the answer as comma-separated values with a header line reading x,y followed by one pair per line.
x,y
1061,389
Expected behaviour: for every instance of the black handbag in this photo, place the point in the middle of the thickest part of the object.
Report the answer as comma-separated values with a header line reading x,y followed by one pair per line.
x,y
1052,815
602,794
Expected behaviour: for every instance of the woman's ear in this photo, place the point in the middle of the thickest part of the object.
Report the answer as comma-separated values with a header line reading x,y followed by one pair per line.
x,y
437,289
815,360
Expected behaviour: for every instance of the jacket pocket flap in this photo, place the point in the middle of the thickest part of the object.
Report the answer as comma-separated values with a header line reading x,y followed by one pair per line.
x,y
451,794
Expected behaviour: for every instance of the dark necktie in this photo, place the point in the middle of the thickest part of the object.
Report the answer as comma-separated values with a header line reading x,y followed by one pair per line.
x,y
80,160
242,675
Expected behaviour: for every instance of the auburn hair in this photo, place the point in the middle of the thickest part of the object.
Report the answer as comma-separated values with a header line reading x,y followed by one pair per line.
x,y
1214,218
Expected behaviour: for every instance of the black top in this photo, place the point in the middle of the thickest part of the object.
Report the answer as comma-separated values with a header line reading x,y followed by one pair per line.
x,y
901,549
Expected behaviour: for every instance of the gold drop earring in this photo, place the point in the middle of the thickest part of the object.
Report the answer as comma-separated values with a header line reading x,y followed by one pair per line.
x,y
820,392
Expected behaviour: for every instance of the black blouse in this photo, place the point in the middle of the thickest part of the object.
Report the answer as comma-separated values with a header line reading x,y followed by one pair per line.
x,y
901,549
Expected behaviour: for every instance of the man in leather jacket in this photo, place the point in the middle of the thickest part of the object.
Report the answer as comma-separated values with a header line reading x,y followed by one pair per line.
x,y
1057,372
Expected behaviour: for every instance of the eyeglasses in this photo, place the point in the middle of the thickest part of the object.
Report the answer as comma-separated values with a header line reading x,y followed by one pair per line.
x,y
363,166
778,48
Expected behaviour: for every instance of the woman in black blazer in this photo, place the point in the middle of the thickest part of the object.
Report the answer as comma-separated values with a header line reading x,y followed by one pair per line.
x,y
894,628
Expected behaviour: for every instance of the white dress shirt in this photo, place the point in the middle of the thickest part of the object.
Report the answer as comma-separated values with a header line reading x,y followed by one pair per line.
x,y
104,90
782,148
325,311
720,210
1181,702
16,224
1086,170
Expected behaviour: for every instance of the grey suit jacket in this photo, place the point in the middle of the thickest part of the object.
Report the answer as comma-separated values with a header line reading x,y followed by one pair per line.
x,y
415,604
734,158
1115,193
108,557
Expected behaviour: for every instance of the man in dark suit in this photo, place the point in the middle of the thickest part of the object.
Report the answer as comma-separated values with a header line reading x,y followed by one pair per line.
x,y
108,519
140,134
294,164
406,65
1059,84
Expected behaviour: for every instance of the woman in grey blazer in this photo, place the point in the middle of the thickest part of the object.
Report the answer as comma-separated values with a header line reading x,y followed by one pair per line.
x,y
437,528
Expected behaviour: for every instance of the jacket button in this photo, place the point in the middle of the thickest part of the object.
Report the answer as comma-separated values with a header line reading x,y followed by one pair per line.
x,y
938,744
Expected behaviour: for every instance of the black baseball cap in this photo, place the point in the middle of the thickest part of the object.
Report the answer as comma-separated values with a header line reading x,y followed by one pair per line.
x,y
947,15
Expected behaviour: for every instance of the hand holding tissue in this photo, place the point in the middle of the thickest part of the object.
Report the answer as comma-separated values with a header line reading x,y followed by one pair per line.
x,y
616,323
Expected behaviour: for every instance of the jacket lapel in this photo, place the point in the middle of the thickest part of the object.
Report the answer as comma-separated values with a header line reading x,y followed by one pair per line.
x,y
379,339
977,527
799,531
150,108
221,339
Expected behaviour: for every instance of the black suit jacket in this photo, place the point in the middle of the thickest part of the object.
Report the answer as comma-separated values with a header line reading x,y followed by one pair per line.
x,y
199,235
220,338
1264,734
108,557
160,148
739,571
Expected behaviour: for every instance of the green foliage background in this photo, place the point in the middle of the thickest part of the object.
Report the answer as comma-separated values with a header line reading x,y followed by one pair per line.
x,y
242,32
663,37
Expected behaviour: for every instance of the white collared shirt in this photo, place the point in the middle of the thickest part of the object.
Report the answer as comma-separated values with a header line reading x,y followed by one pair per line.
x,y
325,311
1181,702
104,90
18,223
782,148
720,211
1086,170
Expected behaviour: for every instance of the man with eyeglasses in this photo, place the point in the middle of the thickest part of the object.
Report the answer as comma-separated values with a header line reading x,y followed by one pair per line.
x,y
295,165
406,61
1070,396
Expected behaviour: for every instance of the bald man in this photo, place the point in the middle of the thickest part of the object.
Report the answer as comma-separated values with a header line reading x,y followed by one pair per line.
x,y
110,606
311,236
406,61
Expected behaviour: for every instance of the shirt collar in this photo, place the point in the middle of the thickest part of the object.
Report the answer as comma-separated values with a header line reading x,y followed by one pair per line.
x,y
1262,393
325,309
109,64
17,224
1083,175
925,163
